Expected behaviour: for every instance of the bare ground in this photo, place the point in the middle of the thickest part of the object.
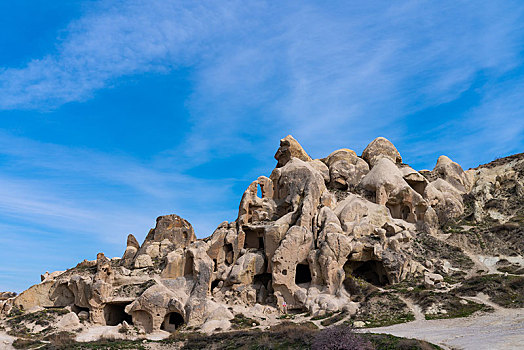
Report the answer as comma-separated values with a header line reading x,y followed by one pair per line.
x,y
6,341
502,329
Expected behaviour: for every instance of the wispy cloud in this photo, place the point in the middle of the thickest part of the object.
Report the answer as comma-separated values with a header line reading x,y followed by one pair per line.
x,y
114,39
89,191
262,68
339,76
60,204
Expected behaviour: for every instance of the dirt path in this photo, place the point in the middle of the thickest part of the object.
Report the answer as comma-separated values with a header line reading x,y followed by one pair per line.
x,y
417,312
502,329
483,299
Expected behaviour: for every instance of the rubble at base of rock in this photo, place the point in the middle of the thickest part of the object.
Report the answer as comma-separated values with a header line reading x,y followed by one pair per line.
x,y
316,224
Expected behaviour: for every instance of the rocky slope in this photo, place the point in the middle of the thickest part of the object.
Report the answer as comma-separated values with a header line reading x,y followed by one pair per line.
x,y
361,239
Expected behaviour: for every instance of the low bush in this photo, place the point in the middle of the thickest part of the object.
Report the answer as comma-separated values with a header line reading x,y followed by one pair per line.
x,y
340,338
22,343
61,338
240,322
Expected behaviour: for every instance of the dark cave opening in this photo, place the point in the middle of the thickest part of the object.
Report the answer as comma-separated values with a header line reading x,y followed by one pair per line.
x,y
302,274
371,271
172,321
405,212
114,314
214,284
78,309
263,279
418,186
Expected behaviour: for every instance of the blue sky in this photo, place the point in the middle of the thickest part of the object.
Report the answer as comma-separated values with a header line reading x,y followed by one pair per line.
x,y
115,112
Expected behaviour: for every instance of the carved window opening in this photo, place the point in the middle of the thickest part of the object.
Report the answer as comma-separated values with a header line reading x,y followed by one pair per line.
x,y
254,238
228,249
188,266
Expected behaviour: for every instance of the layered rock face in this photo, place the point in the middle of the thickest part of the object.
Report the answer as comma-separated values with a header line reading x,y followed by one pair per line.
x,y
317,225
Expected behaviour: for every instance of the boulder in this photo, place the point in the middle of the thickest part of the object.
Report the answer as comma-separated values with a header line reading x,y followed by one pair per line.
x,y
345,169
380,148
452,173
69,321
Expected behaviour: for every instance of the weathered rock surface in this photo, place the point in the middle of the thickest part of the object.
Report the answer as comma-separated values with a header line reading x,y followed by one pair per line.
x,y
317,228
381,148
7,295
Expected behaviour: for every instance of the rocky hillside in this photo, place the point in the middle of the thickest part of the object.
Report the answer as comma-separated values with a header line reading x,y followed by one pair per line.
x,y
365,240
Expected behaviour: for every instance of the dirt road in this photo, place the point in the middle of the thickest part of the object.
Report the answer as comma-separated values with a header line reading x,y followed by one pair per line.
x,y
502,329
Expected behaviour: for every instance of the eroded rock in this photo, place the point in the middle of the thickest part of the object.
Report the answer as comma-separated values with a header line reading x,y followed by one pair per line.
x,y
309,235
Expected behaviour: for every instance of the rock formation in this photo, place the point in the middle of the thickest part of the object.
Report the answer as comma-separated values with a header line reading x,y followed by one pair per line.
x,y
318,225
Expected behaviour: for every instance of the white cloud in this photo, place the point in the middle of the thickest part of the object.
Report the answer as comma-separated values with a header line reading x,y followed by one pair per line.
x,y
91,192
340,77
111,41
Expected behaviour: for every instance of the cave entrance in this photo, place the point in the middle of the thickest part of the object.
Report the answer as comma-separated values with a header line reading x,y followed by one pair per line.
x,y
114,314
214,284
399,211
172,321
78,309
302,274
418,186
371,271
394,210
254,237
188,266
405,212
